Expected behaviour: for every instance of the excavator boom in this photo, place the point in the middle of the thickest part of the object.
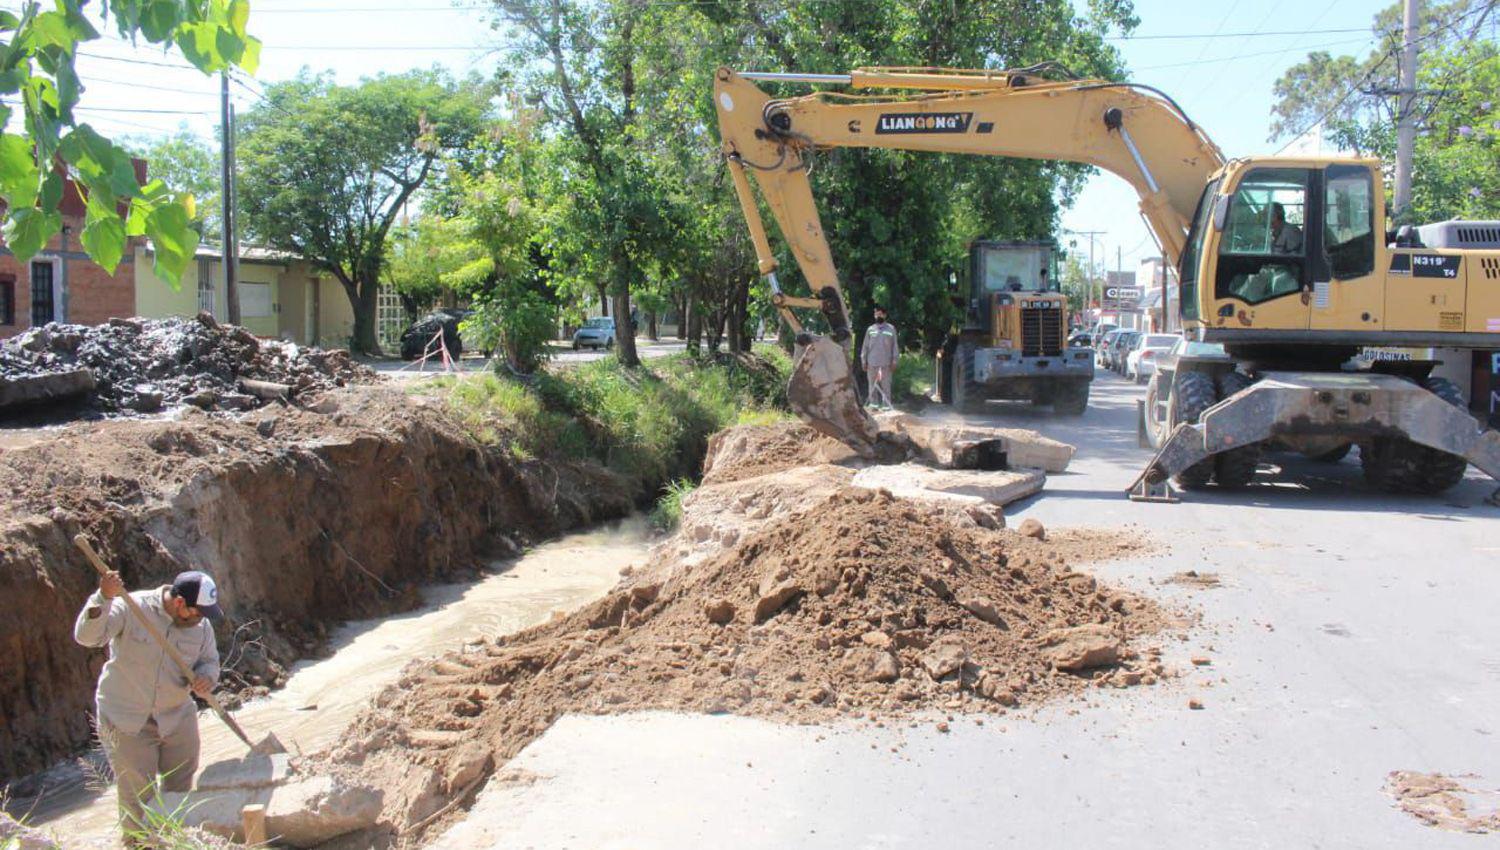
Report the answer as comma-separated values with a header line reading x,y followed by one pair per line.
x,y
1131,131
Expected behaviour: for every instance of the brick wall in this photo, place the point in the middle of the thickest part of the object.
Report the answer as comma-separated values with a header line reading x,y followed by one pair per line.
x,y
93,295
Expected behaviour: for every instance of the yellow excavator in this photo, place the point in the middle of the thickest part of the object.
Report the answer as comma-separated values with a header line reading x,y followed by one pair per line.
x,y
1285,262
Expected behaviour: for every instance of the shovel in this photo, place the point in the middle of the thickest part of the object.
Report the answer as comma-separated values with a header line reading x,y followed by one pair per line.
x,y
267,746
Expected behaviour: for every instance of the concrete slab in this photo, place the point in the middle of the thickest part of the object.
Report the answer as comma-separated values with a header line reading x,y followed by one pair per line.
x,y
252,771
966,486
300,812
936,437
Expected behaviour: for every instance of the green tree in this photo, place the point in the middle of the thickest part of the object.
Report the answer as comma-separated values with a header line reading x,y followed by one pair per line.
x,y
189,165
1456,159
38,50
326,170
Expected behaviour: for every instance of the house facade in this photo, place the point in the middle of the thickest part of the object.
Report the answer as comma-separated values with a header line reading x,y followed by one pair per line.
x,y
281,295
61,283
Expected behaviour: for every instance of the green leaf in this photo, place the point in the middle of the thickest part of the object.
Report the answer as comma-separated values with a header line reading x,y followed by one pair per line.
x,y
199,45
18,171
50,29
52,191
173,239
28,230
239,16
8,21
99,162
103,234
159,18
250,58
135,223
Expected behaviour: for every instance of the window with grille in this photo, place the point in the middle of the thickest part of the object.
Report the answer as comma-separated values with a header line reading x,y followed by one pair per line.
x,y
43,309
7,300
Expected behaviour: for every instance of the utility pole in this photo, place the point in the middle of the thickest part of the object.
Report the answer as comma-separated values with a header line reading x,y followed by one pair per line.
x,y
1091,234
1406,126
230,259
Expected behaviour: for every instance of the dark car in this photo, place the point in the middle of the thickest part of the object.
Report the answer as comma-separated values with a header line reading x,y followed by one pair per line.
x,y
421,335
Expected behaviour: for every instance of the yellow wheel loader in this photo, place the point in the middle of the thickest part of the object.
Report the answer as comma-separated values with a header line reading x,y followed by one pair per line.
x,y
1013,341
1284,261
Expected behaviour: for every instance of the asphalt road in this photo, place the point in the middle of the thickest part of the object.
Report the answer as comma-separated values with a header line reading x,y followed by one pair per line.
x,y
1355,634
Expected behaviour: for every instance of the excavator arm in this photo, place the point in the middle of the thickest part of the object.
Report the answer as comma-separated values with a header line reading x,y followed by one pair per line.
x,y
1131,131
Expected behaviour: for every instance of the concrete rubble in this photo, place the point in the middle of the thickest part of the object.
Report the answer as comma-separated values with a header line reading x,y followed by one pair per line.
x,y
301,811
149,365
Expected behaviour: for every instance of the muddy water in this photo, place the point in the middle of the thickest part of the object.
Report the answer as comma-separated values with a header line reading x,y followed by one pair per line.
x,y
322,696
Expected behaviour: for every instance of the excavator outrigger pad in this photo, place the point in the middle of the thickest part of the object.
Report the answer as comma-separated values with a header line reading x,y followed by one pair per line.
x,y
821,391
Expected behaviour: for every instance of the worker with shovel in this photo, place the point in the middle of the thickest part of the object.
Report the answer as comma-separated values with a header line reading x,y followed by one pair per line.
x,y
147,720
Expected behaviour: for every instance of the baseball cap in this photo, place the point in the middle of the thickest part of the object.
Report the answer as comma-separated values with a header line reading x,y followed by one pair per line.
x,y
198,590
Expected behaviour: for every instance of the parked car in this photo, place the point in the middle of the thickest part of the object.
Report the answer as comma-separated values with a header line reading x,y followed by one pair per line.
x,y
421,334
598,332
1141,361
1119,348
1101,351
1080,339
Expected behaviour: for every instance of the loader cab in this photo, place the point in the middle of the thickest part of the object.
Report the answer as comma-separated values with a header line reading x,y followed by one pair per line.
x,y
1014,298
1285,251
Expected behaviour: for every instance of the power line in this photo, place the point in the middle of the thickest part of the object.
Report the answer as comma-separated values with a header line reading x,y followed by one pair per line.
x,y
1255,55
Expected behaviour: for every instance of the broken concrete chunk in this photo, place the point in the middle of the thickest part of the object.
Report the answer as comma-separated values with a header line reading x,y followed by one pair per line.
x,y
964,486
1081,647
318,810
944,659
466,765
877,639
252,771
867,664
719,611
773,600
1031,527
984,609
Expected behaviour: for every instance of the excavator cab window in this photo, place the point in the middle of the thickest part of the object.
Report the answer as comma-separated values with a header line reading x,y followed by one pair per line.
x,y
1187,271
1349,231
1263,250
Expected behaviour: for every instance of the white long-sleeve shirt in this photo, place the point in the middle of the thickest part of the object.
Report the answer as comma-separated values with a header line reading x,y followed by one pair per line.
x,y
140,681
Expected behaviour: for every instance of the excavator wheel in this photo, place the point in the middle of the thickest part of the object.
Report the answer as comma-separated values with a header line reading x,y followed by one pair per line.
x,y
1195,393
1398,465
1236,467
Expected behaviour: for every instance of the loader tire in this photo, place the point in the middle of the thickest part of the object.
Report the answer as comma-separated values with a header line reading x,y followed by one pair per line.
x,y
1070,398
1398,465
1195,393
1334,455
1236,467
968,395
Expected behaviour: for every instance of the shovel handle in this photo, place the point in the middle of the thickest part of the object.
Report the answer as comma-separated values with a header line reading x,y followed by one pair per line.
x,y
103,569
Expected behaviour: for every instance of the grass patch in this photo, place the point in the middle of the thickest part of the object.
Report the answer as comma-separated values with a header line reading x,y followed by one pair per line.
x,y
913,377
650,424
668,510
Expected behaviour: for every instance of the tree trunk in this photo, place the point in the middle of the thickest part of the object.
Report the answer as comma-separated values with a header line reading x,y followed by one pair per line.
x,y
625,331
651,331
364,301
603,301
733,329
742,318
692,323
784,336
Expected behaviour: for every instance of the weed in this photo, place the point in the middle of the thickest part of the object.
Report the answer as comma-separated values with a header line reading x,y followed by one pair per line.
x,y
913,377
668,511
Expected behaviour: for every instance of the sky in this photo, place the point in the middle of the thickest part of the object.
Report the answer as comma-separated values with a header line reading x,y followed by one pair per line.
x,y
1218,59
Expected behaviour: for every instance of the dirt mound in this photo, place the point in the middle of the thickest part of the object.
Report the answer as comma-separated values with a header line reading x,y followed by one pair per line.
x,y
736,454
861,603
146,365
1444,802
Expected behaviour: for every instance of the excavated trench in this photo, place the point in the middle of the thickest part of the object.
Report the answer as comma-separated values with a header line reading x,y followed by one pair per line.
x,y
305,517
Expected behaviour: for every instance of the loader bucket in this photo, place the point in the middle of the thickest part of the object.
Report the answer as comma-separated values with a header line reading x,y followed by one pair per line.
x,y
821,391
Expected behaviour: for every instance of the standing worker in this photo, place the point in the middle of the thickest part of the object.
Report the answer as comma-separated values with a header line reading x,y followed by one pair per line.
x,y
147,719
878,357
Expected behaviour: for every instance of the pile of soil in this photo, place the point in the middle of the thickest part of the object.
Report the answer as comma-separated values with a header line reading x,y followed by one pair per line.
x,y
1444,802
736,454
861,603
146,365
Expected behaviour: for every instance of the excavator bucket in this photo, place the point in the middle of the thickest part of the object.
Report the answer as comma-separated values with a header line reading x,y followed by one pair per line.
x,y
822,392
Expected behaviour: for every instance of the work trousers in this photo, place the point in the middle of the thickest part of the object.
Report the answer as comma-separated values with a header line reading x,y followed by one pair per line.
x,y
880,385
147,762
